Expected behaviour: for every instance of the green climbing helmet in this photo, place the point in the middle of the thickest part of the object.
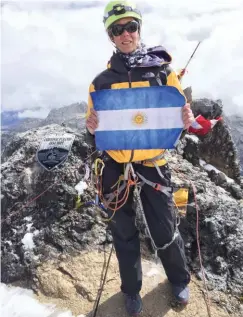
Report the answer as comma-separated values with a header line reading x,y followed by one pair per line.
x,y
116,10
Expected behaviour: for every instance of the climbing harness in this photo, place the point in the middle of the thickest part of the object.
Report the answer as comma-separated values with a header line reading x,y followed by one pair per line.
x,y
168,192
130,178
99,166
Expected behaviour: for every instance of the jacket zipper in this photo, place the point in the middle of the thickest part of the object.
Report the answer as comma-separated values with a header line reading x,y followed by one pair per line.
x,y
130,79
130,86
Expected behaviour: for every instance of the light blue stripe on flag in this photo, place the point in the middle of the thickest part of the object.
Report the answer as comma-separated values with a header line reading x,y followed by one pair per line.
x,y
155,122
137,98
132,139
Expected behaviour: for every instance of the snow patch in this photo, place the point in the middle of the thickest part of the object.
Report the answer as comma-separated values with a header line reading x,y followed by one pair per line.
x,y
28,218
193,137
19,302
209,167
28,173
36,258
208,219
229,180
15,255
29,225
80,187
28,241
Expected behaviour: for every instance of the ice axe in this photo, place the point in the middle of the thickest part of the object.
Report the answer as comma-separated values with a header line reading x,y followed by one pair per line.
x,y
182,72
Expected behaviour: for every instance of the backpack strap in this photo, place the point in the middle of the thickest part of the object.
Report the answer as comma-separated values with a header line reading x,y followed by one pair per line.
x,y
161,76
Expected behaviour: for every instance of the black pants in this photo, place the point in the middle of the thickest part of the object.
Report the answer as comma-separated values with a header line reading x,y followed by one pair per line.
x,y
158,209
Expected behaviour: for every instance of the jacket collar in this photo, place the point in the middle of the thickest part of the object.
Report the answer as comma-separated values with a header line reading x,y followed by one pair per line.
x,y
117,64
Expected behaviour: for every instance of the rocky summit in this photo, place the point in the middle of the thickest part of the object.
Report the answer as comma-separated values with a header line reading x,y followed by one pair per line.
x,y
44,218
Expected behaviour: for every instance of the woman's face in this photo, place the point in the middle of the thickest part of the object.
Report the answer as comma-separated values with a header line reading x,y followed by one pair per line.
x,y
128,40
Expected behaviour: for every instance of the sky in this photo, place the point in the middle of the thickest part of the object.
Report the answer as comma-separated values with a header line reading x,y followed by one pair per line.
x,y
52,50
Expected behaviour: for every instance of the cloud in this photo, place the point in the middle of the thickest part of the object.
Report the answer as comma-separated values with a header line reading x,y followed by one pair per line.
x,y
40,113
51,51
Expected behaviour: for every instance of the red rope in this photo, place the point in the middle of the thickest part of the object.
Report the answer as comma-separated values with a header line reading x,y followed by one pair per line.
x,y
207,300
29,202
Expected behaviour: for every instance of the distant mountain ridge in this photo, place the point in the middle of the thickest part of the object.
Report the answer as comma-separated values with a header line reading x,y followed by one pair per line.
x,y
9,118
72,116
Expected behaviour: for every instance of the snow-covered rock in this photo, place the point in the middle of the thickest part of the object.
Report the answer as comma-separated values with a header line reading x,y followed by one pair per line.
x,y
51,226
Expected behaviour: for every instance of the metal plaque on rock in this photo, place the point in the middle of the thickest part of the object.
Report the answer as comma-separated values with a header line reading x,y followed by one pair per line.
x,y
54,150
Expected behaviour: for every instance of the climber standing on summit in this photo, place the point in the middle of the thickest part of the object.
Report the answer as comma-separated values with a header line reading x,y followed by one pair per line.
x,y
134,65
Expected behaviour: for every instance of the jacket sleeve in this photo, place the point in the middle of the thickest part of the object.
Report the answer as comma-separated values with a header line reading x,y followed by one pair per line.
x,y
90,138
90,101
172,80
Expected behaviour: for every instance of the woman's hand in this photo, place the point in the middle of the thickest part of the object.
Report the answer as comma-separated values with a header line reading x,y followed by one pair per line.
x,y
187,116
92,121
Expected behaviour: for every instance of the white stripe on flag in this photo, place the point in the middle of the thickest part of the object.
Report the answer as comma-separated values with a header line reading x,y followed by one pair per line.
x,y
140,119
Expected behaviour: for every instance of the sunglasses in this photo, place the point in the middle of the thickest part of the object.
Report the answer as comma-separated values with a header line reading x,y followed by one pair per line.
x,y
130,27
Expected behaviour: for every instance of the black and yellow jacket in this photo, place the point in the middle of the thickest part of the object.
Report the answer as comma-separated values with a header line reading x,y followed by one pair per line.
x,y
117,76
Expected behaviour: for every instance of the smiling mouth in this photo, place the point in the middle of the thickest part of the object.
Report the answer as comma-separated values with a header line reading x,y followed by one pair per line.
x,y
126,42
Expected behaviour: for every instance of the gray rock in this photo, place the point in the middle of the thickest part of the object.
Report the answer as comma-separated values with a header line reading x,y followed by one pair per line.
x,y
221,223
72,116
58,226
35,230
235,123
217,147
210,109
236,191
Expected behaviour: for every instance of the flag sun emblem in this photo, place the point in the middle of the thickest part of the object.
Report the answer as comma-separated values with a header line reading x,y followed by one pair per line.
x,y
139,118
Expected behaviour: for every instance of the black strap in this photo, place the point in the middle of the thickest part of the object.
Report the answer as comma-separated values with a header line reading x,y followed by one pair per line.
x,y
161,77
124,10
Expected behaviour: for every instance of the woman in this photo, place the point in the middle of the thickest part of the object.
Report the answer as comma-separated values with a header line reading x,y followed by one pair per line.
x,y
134,65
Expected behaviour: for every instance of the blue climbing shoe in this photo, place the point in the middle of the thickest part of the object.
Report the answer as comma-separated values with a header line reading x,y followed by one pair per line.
x,y
133,304
181,294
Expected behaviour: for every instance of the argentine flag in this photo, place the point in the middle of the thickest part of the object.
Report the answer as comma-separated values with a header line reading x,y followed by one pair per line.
x,y
138,118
